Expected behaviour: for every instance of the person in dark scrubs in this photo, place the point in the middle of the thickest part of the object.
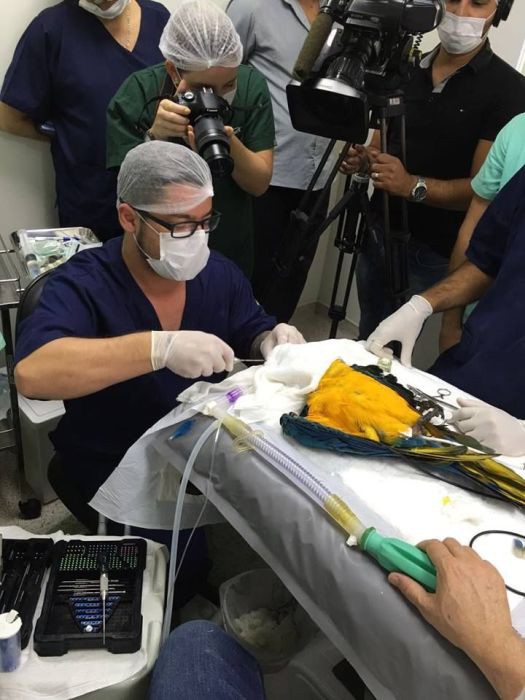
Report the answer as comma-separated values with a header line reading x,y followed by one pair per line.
x,y
67,66
122,329
488,360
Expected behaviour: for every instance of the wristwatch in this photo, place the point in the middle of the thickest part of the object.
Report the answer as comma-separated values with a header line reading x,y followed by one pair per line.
x,y
419,191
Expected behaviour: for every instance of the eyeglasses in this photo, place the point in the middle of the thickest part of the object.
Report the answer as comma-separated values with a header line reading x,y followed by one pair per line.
x,y
185,229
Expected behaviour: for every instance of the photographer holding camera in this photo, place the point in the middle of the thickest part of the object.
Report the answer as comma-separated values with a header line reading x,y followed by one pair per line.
x,y
188,99
457,101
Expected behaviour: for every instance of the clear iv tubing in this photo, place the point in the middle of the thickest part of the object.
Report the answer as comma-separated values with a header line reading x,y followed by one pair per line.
x,y
219,406
176,525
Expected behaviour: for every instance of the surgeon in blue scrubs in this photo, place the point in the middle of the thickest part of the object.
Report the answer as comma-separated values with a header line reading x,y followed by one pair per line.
x,y
489,360
67,66
121,330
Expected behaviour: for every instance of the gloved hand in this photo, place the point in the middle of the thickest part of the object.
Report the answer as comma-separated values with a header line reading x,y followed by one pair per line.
x,y
282,333
190,354
491,426
404,325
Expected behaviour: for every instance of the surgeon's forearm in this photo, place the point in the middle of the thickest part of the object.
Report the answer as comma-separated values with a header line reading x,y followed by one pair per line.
x,y
477,208
453,317
252,171
69,368
463,286
19,124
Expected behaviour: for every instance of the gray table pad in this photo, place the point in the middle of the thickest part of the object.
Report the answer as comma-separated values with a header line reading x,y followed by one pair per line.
x,y
396,653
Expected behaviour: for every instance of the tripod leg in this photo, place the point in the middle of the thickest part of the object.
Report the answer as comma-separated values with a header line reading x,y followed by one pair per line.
x,y
341,310
334,311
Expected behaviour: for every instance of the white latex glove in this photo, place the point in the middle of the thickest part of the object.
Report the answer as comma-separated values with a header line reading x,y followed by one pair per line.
x,y
403,325
491,426
282,333
190,354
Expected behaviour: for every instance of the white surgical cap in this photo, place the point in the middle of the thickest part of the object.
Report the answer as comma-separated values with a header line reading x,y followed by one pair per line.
x,y
148,170
199,35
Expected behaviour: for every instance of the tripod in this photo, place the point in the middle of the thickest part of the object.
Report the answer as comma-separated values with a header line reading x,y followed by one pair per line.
x,y
355,220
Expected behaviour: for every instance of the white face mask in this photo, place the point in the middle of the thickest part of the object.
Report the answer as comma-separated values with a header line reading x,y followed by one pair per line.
x,y
181,259
115,10
461,34
229,96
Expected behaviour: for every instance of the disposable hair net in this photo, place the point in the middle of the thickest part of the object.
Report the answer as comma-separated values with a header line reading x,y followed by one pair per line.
x,y
148,170
199,35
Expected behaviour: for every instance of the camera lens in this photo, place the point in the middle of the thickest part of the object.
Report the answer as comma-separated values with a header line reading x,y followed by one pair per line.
x,y
213,145
218,159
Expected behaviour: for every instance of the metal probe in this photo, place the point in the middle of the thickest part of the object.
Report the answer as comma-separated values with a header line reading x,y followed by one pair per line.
x,y
253,360
104,587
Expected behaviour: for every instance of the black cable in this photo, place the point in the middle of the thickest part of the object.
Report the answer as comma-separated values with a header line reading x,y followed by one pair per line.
x,y
500,532
140,126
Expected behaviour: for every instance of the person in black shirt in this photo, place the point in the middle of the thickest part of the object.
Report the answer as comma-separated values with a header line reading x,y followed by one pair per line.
x,y
456,102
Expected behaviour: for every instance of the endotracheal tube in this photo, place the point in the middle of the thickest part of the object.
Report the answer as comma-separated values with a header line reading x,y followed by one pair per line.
x,y
313,487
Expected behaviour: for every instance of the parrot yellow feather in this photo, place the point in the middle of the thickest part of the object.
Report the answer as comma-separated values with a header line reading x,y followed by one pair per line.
x,y
355,403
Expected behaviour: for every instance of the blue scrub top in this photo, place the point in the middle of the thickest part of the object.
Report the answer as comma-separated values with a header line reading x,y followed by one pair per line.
x,y
95,296
65,69
489,360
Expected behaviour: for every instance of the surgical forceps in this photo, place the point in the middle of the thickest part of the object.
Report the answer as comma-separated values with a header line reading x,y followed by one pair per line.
x,y
441,394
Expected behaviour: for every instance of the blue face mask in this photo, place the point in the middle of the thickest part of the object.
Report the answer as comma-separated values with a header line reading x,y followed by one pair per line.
x,y
112,12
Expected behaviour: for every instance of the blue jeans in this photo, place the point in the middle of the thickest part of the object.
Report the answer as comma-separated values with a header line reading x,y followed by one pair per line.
x,y
425,268
200,661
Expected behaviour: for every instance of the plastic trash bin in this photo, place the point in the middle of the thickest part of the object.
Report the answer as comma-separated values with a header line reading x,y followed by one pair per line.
x,y
38,419
278,626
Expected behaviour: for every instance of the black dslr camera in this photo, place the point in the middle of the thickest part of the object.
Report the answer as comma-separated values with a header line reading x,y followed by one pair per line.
x,y
207,116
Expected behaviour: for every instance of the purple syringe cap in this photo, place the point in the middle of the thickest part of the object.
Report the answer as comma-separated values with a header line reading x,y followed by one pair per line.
x,y
234,394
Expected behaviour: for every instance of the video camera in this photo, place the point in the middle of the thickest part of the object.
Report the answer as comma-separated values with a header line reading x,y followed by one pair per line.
x,y
208,112
355,48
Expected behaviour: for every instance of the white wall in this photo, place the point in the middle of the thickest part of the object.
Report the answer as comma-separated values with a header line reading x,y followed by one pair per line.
x,y
27,190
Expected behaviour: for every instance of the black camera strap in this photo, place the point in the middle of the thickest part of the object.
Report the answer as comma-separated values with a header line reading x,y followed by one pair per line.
x,y
167,91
